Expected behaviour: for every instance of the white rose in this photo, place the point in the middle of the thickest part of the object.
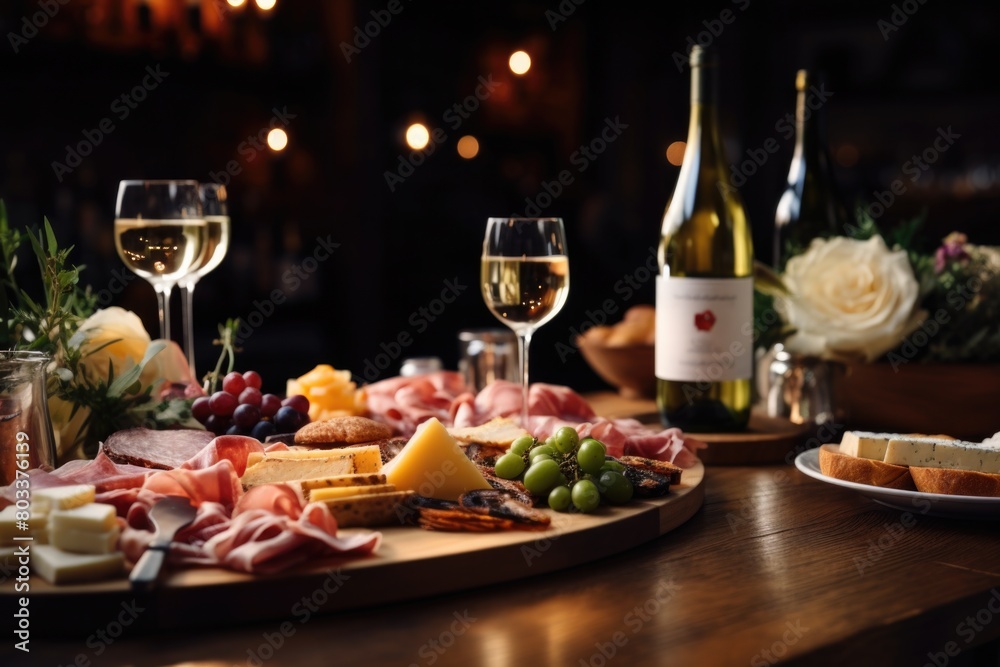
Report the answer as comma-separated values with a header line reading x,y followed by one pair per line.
x,y
849,299
130,342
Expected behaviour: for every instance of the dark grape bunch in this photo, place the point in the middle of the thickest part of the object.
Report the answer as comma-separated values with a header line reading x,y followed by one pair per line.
x,y
567,470
239,408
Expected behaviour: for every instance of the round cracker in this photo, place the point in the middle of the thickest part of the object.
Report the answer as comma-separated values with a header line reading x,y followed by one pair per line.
x,y
342,431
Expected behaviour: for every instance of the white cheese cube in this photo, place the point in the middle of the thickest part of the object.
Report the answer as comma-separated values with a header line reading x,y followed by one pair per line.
x,y
86,541
61,497
60,567
95,517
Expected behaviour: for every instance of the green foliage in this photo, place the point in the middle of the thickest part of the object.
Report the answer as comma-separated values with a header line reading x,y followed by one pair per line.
x,y
51,324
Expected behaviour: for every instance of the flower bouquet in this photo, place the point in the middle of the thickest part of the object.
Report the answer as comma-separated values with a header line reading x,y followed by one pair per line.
x,y
104,373
918,333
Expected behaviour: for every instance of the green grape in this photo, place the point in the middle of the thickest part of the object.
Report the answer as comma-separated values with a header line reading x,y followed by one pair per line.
x,y
615,487
522,444
566,439
585,496
542,449
590,456
541,457
560,498
612,464
541,477
509,466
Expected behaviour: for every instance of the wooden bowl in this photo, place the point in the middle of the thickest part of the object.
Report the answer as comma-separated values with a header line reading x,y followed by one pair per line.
x,y
628,368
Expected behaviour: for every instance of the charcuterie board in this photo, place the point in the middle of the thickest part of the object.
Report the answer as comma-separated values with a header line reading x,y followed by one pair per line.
x,y
410,563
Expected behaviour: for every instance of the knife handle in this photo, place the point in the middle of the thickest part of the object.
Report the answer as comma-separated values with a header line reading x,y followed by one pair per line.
x,y
146,571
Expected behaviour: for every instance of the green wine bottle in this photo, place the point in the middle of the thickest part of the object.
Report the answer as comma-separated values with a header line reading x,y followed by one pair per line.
x,y
809,207
704,293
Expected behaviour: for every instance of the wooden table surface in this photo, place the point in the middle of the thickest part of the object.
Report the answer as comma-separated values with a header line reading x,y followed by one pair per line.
x,y
776,567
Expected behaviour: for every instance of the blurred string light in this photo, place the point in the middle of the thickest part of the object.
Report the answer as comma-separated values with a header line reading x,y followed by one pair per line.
x,y
266,5
468,147
520,62
675,153
417,136
236,3
277,139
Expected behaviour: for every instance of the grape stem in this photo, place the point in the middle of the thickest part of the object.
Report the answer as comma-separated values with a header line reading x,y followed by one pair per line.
x,y
226,339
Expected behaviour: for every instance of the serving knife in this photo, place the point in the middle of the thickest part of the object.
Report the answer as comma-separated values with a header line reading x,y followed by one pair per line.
x,y
168,515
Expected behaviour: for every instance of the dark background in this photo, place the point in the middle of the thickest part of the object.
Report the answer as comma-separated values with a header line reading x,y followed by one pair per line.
x,y
228,68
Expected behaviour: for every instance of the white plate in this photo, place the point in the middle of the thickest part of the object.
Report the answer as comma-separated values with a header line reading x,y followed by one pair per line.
x,y
935,504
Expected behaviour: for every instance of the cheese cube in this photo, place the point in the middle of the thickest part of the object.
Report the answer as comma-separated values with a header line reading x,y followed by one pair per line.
x,y
86,541
433,465
347,491
61,567
95,517
9,526
62,497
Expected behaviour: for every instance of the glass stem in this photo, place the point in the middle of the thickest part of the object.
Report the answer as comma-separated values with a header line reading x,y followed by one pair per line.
x,y
163,297
187,301
523,342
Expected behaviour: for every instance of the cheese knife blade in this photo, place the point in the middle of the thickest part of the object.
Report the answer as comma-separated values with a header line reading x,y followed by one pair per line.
x,y
168,515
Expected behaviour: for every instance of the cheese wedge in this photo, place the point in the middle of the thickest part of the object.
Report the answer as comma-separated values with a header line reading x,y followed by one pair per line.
x,y
62,497
9,526
307,465
348,491
86,541
341,480
433,465
94,517
931,453
61,567
372,510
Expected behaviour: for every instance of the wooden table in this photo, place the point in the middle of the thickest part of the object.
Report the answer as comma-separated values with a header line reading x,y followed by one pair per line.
x,y
775,567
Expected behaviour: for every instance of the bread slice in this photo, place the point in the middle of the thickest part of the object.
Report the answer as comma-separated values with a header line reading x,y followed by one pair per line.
x,y
341,481
955,482
833,463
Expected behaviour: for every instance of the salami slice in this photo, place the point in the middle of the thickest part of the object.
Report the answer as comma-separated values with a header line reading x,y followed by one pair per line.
x,y
163,450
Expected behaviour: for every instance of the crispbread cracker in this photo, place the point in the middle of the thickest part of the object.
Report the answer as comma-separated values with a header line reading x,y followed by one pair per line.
x,y
498,432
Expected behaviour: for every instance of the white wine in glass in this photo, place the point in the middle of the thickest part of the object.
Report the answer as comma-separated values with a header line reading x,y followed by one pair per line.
x,y
215,207
159,234
524,279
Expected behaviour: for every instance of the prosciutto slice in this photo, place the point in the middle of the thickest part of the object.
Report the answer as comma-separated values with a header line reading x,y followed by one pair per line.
x,y
404,403
265,530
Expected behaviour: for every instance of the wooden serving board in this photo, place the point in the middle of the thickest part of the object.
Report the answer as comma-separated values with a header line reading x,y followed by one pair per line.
x,y
410,563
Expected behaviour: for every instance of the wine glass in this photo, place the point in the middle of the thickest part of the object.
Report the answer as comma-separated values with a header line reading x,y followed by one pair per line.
x,y
215,207
159,234
524,279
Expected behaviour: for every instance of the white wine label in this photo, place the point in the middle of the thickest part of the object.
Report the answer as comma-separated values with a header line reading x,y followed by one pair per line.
x,y
704,329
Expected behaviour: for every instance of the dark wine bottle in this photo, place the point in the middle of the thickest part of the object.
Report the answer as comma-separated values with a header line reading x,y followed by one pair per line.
x,y
809,207
704,293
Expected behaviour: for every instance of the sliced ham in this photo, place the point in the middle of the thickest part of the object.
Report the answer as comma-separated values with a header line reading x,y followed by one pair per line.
x,y
404,403
262,531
